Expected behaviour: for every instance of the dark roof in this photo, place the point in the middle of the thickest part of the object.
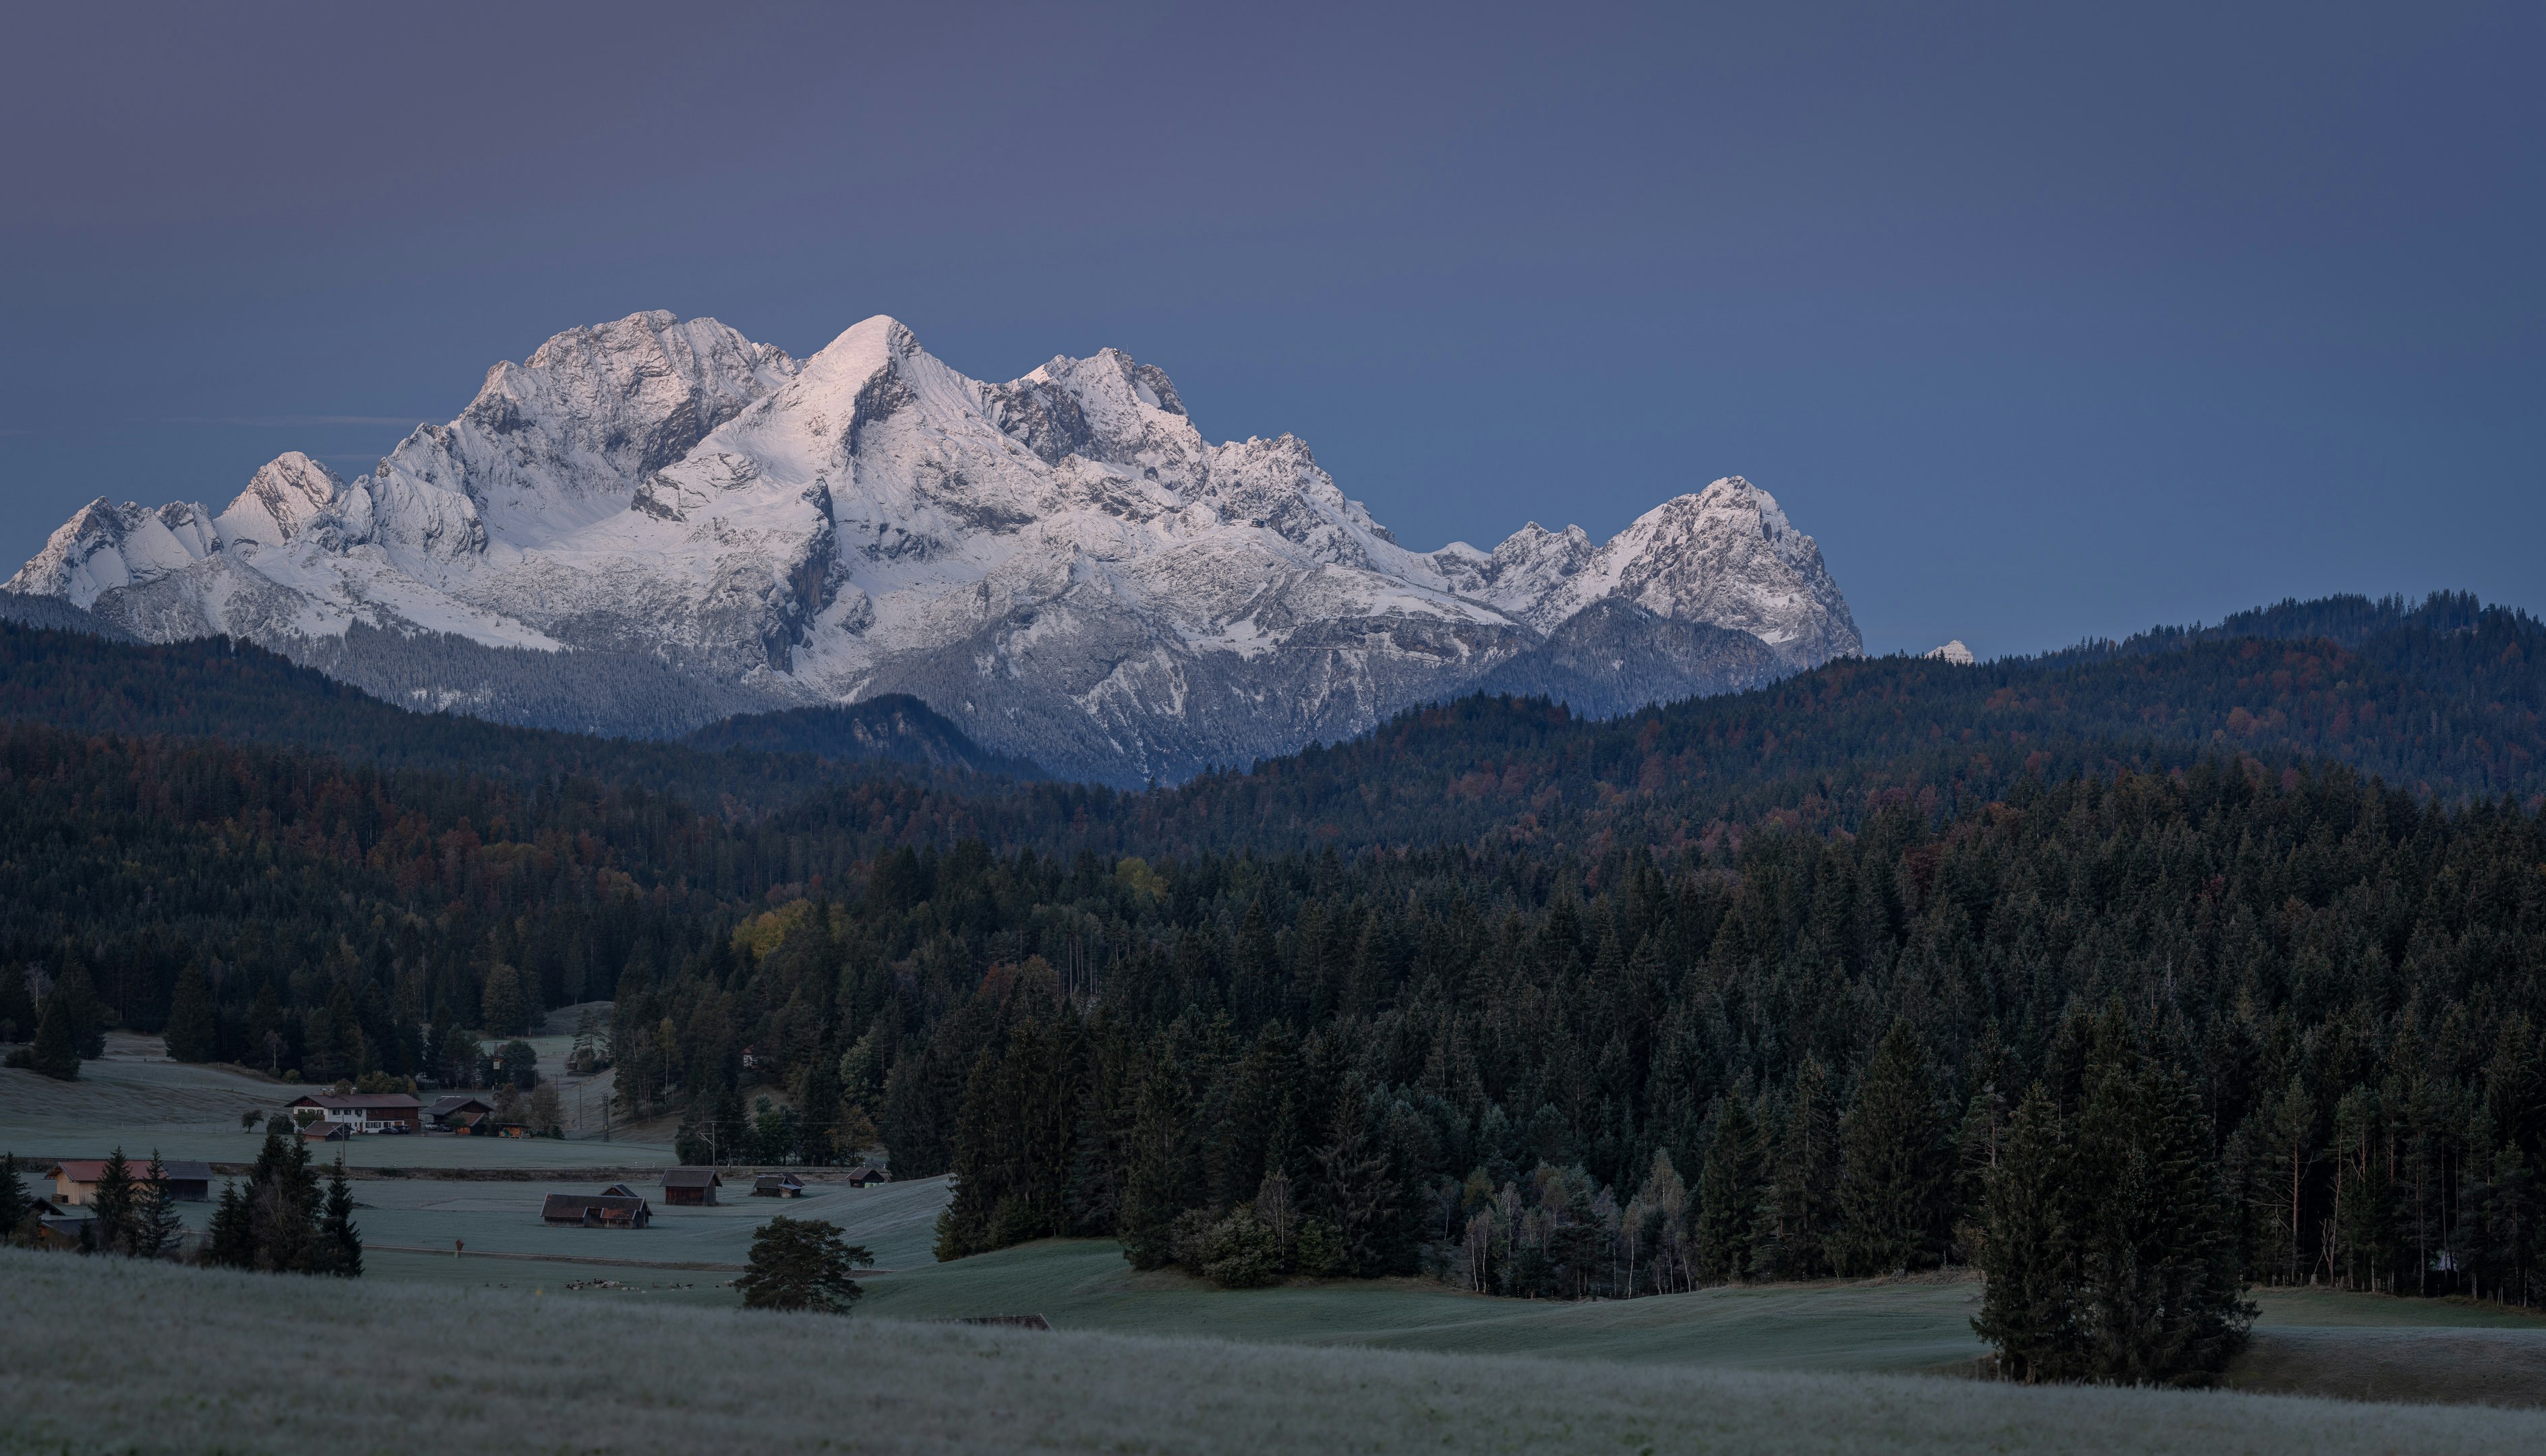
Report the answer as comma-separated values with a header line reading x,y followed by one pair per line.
x,y
781,1180
618,1190
572,1205
351,1101
86,1170
690,1177
448,1105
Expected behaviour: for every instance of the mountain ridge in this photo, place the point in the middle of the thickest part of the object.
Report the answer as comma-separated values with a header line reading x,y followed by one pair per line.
x,y
653,523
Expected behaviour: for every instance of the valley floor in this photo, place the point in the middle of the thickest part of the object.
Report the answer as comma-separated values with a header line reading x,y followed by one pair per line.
x,y
494,1340
102,1355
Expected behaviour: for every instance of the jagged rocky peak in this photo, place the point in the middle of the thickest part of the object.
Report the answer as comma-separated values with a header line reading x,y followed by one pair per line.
x,y
651,522
279,499
1953,652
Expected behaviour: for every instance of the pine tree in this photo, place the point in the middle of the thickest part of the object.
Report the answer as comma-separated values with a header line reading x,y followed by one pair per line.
x,y
1160,1178
1896,1165
1727,1193
193,1031
232,1243
284,1206
15,1206
87,1017
2160,1292
502,1010
17,1006
114,1202
1803,1197
802,1264
55,1053
157,1227
965,1225
340,1243
2028,1304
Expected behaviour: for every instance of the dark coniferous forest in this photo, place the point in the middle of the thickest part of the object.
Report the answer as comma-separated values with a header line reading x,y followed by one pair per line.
x,y
2127,975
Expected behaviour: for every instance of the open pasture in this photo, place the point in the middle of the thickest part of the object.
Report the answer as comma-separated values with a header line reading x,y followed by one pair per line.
x,y
136,1098
168,1358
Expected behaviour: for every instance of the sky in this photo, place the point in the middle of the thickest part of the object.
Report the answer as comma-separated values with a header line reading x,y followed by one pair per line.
x,y
2049,321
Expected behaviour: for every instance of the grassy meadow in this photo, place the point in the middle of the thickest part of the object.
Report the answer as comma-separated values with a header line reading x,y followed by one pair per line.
x,y
136,1098
168,1358
560,1336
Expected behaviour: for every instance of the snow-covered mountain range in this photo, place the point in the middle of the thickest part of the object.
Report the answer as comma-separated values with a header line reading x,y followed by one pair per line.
x,y
654,523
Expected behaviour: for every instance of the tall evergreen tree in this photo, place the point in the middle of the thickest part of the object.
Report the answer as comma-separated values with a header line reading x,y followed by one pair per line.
x,y
114,1202
15,1206
1896,1165
2161,1295
55,1053
1160,1179
17,1006
194,1030
2028,1304
157,1227
1802,1209
232,1243
340,1243
1728,1193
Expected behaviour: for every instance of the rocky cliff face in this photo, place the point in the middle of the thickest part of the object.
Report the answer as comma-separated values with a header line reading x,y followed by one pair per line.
x,y
652,524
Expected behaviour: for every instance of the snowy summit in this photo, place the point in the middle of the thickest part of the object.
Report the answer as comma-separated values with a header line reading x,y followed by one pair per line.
x,y
654,522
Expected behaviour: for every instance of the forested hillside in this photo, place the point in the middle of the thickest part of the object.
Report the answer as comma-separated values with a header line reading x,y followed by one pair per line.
x,y
1754,986
220,690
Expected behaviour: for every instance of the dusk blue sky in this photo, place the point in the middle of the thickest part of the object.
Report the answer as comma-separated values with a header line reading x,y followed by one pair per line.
x,y
2048,321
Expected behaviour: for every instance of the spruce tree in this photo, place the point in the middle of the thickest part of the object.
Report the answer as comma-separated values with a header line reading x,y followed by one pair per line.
x,y
17,1006
340,1243
2028,1304
502,1010
232,1243
157,1227
1727,1193
55,1053
1896,1165
87,1016
1803,1197
2161,1296
1161,1175
15,1206
284,1205
114,1202
193,1031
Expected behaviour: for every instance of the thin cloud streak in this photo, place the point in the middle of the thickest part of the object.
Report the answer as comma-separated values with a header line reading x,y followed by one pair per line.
x,y
285,422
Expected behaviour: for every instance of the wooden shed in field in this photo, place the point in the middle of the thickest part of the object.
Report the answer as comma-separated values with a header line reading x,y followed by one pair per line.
x,y
612,1208
691,1186
778,1185
868,1176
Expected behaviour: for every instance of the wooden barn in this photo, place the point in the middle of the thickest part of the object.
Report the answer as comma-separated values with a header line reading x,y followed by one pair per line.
x,y
458,1113
75,1179
691,1186
869,1175
614,1207
778,1185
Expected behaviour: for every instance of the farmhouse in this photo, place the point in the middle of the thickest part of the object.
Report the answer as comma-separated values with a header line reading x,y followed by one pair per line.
x,y
64,1228
360,1111
691,1186
614,1207
778,1185
75,1179
458,1113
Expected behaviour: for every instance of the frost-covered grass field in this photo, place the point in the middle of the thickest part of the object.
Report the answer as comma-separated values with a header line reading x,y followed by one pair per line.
x,y
136,1098
100,1355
